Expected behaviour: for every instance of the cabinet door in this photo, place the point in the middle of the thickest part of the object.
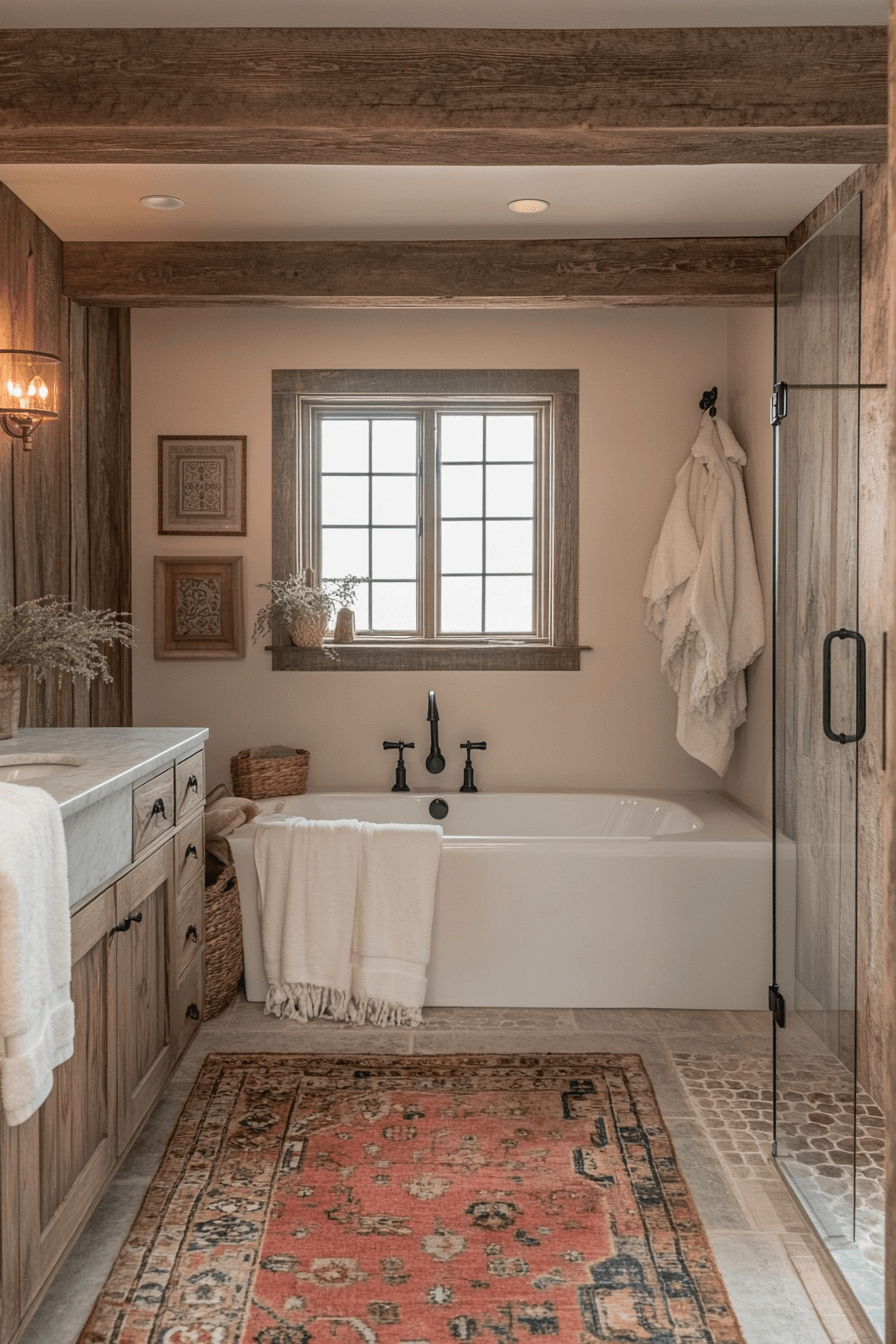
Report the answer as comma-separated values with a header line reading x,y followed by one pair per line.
x,y
145,897
67,1150
9,1240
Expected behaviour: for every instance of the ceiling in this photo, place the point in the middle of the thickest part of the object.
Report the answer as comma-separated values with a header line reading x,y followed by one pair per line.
x,y
100,202
437,13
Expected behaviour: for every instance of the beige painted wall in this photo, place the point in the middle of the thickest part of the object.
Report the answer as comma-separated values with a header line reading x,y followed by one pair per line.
x,y
612,725
749,385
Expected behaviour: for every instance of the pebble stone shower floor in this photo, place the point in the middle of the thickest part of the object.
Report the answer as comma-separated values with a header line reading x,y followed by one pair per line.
x,y
711,1071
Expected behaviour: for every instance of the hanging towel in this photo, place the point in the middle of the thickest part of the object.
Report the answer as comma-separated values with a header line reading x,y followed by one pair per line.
x,y
393,923
37,1016
346,918
308,885
704,601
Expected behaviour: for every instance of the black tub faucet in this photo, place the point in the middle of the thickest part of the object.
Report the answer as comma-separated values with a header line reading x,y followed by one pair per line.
x,y
401,779
435,761
469,785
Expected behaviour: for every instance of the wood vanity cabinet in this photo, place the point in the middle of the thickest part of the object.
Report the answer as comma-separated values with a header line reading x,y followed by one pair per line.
x,y
137,987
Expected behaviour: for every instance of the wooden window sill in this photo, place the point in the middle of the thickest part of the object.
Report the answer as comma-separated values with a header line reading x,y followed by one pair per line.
x,y
380,657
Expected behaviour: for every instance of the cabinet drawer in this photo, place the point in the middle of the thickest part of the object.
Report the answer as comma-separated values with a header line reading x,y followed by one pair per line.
x,y
189,784
189,1006
189,855
153,809
188,934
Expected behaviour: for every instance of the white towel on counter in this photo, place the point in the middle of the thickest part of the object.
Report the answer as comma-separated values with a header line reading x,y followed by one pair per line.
x,y
346,917
37,1016
704,601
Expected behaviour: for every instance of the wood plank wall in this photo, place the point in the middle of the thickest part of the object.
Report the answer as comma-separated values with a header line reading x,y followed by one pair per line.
x,y
871,180
65,505
889,956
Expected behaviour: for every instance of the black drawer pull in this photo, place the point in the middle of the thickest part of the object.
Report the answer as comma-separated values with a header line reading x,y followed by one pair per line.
x,y
136,916
192,852
193,1012
193,783
122,926
193,933
159,806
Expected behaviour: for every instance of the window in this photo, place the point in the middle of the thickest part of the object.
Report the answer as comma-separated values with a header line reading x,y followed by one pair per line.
x,y
450,494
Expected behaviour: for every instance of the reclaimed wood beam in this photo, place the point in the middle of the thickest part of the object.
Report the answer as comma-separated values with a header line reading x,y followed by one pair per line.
x,y
443,96
536,273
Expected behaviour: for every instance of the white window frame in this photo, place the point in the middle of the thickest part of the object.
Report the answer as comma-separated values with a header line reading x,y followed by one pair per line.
x,y
426,411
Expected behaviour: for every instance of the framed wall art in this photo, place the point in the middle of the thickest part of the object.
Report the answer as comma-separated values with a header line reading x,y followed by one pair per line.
x,y
198,606
202,485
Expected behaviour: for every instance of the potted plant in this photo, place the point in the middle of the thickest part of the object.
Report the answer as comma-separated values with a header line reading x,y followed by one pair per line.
x,y
304,607
46,635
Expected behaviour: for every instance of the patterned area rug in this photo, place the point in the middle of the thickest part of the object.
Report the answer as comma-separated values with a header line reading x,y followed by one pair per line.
x,y
417,1200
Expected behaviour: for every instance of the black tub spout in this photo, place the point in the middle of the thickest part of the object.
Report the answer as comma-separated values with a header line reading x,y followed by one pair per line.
x,y
435,761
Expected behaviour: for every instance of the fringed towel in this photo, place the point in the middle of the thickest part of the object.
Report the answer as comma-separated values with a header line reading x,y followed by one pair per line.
x,y
703,596
37,1017
346,918
393,923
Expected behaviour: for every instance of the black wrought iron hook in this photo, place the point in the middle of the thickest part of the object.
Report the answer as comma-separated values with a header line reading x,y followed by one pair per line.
x,y
708,401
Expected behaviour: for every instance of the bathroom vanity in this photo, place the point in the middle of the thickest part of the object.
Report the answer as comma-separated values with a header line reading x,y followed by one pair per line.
x,y
132,807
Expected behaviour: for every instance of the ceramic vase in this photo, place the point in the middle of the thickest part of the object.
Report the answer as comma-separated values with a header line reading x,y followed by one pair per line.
x,y
344,632
10,700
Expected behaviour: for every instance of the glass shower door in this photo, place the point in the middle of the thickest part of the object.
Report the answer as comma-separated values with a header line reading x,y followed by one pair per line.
x,y
819,716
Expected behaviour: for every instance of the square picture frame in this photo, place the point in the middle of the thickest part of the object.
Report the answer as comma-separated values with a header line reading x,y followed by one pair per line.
x,y
198,606
202,485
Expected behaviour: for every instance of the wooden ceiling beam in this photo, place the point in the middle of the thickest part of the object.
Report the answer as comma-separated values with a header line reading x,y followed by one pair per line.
x,y
535,273
443,96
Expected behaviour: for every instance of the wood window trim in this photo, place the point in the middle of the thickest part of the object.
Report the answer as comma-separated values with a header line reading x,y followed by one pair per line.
x,y
562,652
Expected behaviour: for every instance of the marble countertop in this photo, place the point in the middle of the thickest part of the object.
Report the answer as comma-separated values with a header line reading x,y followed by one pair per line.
x,y
113,758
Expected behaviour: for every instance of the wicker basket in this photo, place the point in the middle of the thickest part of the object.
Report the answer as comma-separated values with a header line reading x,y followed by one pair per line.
x,y
269,776
223,942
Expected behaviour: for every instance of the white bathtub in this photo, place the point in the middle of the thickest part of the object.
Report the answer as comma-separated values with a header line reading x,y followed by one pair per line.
x,y
574,900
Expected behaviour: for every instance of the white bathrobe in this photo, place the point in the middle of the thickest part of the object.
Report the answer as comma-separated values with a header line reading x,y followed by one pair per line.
x,y
704,601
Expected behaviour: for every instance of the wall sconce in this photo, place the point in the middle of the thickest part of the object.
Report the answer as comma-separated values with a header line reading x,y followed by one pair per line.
x,y
28,392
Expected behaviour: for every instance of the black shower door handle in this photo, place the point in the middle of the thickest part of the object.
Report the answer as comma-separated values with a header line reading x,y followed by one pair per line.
x,y
860,687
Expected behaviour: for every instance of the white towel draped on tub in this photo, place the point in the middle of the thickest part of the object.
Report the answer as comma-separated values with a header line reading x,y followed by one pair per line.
x,y
37,1017
703,596
346,917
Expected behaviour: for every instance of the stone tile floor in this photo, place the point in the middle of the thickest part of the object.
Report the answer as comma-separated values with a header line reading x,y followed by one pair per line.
x,y
819,1139
781,1283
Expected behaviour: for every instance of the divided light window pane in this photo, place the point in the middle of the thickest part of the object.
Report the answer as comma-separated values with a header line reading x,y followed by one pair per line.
x,y
369,507
487,524
371,503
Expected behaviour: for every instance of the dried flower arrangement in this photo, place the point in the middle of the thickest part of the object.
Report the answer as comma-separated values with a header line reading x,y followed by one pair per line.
x,y
46,635
305,607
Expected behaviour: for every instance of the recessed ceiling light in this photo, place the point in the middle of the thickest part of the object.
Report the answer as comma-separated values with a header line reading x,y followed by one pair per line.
x,y
161,202
527,206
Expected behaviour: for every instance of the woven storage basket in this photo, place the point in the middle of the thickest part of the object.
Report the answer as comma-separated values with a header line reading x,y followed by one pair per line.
x,y
307,632
269,776
223,942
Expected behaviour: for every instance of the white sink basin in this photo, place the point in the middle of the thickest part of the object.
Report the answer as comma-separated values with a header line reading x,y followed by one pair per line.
x,y
27,767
